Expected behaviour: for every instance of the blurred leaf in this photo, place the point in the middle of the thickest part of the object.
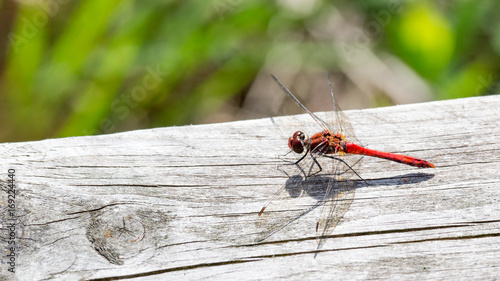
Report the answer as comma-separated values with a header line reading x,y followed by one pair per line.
x,y
423,37
473,80
28,42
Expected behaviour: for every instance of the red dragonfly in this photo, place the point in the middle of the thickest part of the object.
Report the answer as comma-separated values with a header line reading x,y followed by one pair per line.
x,y
331,146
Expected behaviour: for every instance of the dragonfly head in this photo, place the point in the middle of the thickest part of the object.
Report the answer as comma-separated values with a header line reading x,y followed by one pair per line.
x,y
297,142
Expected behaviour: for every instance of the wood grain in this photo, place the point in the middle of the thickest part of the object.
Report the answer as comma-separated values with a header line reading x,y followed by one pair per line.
x,y
182,202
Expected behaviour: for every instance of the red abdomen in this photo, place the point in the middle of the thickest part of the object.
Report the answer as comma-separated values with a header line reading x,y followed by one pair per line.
x,y
408,160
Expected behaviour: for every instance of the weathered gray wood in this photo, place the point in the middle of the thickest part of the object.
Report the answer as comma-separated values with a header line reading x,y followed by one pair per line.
x,y
182,202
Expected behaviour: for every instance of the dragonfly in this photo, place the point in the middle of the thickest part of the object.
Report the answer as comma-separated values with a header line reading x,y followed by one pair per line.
x,y
337,145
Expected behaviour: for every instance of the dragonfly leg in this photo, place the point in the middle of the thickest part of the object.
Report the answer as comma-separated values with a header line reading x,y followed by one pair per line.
x,y
349,166
293,163
317,163
301,158
298,161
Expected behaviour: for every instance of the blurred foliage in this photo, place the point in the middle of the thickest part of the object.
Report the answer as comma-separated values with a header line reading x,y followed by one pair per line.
x,y
71,68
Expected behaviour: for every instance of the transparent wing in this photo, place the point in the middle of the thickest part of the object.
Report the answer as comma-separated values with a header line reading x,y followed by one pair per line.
x,y
339,194
318,120
338,198
303,192
339,121
290,203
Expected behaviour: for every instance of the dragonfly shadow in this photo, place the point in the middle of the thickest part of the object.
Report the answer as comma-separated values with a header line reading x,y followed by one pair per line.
x,y
326,192
317,186
412,178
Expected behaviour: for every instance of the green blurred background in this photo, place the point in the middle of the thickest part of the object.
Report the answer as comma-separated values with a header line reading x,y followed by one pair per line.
x,y
70,68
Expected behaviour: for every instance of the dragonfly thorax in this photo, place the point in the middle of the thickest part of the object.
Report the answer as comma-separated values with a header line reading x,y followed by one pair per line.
x,y
298,142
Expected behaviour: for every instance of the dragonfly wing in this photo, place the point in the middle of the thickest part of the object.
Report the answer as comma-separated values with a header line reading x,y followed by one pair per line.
x,y
289,204
338,199
301,194
318,120
339,194
339,120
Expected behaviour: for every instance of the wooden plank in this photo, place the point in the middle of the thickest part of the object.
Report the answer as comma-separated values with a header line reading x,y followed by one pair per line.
x,y
182,202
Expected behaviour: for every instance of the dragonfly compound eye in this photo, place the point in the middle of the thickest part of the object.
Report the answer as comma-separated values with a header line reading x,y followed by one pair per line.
x,y
298,135
296,142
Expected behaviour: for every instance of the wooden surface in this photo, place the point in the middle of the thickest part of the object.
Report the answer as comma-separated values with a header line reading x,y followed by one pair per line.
x,y
182,202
